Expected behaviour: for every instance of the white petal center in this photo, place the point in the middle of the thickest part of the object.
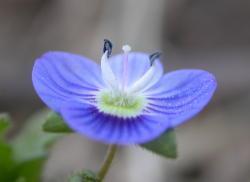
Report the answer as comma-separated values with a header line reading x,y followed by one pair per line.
x,y
119,99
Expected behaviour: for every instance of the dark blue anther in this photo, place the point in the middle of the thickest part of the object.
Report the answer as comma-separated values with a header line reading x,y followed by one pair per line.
x,y
153,57
107,47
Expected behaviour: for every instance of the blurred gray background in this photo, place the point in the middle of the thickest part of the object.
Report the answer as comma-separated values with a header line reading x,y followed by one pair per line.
x,y
212,35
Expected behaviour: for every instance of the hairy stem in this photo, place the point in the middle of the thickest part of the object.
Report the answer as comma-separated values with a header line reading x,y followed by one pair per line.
x,y
107,162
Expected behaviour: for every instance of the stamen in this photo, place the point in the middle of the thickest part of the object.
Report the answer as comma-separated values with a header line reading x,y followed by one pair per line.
x,y
107,73
147,77
107,47
126,49
143,81
153,57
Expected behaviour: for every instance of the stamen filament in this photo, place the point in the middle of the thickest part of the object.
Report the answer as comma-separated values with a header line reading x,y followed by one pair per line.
x,y
143,81
107,73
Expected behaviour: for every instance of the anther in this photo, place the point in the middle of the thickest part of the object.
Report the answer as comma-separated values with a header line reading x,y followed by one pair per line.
x,y
107,47
153,57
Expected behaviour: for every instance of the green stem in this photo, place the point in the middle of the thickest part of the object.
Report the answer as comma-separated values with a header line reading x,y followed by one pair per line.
x,y
107,162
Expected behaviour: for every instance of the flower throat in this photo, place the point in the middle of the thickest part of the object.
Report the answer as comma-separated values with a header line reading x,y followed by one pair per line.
x,y
120,99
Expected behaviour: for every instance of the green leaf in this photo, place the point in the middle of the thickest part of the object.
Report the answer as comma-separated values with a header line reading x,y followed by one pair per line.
x,y
30,149
6,162
21,179
4,123
55,124
32,142
6,154
85,176
30,171
22,158
165,145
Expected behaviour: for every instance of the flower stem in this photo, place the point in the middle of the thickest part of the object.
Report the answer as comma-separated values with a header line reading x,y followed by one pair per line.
x,y
107,162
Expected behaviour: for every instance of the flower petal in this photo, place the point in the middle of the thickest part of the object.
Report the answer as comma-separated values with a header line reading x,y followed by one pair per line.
x,y
60,76
181,94
138,65
85,119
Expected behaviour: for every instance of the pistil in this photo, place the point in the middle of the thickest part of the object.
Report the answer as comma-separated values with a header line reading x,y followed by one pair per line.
x,y
126,49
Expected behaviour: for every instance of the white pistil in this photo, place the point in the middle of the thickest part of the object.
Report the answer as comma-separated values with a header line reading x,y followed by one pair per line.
x,y
107,73
126,49
143,81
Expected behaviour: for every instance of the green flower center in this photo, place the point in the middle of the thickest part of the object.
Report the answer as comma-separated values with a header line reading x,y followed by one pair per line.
x,y
120,104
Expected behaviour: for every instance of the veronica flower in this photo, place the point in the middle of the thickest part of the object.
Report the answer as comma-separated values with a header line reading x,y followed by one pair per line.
x,y
125,100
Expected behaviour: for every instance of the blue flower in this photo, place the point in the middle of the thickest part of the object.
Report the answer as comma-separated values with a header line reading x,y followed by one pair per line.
x,y
126,100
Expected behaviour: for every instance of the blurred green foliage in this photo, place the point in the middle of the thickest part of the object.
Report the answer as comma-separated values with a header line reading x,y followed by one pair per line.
x,y
85,176
4,123
165,145
55,124
22,157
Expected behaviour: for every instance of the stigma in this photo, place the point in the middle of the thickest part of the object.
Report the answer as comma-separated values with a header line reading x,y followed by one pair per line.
x,y
126,49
